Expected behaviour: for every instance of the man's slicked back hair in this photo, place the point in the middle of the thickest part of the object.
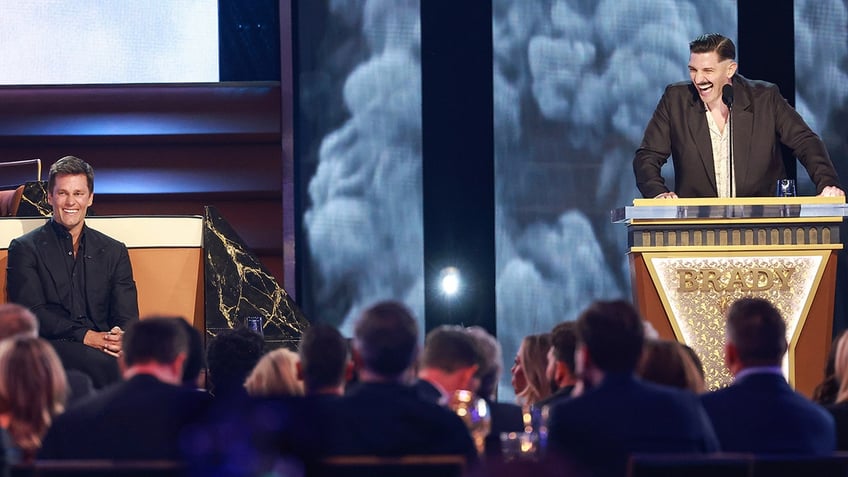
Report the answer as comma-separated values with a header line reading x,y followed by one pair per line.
x,y
714,42
70,165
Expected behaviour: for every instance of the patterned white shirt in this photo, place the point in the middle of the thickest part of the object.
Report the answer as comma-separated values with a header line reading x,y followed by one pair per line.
x,y
721,159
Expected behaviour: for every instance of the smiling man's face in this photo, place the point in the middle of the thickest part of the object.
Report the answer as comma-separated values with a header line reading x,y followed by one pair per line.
x,y
709,74
70,199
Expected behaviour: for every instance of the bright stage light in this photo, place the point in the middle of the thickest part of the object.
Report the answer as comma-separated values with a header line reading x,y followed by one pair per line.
x,y
449,281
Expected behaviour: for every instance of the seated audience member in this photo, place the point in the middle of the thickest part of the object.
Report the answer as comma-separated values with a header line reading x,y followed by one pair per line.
x,y
560,370
275,375
506,417
231,356
32,393
759,412
448,363
667,362
827,391
142,417
195,361
619,414
383,415
529,381
839,409
324,362
18,320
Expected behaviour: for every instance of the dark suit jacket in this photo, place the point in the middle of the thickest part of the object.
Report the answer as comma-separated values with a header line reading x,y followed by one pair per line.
x,y
762,120
137,419
391,419
760,413
36,278
840,417
624,415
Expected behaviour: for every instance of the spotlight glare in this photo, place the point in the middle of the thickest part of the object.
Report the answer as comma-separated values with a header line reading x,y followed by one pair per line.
x,y
449,281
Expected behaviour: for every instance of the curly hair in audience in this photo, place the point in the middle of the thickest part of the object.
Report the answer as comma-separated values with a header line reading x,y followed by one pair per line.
x,y
231,356
275,375
33,389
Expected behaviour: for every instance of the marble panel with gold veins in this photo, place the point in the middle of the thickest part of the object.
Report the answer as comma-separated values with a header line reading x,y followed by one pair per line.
x,y
696,292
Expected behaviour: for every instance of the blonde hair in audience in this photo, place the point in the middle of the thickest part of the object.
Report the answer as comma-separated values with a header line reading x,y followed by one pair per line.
x,y
33,389
840,368
534,361
275,375
667,362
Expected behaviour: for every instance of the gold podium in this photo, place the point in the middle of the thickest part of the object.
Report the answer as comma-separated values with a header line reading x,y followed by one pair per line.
x,y
691,258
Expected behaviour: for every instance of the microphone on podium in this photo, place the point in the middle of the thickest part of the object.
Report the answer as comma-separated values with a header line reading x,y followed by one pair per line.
x,y
727,98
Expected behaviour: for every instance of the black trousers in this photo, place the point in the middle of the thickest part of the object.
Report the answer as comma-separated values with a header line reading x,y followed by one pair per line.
x,y
99,366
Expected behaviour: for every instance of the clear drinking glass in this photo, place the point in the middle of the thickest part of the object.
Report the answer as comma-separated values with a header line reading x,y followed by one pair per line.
x,y
785,188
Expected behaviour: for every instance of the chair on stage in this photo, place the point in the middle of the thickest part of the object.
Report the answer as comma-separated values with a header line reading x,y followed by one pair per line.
x,y
13,176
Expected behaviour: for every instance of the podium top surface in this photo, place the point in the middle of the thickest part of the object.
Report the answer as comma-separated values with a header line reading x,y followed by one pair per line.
x,y
732,208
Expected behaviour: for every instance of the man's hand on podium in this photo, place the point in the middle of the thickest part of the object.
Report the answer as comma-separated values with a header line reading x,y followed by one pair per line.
x,y
666,195
832,191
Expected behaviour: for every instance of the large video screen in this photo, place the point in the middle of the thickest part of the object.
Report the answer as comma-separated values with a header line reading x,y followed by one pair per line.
x,y
46,42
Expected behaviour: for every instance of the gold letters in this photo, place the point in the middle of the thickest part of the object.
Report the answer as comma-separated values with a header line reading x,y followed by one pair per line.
x,y
732,279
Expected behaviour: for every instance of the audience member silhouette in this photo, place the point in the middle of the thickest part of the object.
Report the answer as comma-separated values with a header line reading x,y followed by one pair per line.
x,y
383,415
142,417
325,361
619,414
667,362
19,320
560,371
32,391
195,360
839,408
529,379
759,412
506,417
275,375
231,356
448,363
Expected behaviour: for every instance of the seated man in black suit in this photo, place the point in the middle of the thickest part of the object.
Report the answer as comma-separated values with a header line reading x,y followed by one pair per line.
x,y
759,412
325,361
142,417
560,370
77,281
617,414
448,363
383,415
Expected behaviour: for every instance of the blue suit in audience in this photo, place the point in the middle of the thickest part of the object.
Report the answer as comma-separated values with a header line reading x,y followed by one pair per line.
x,y
760,413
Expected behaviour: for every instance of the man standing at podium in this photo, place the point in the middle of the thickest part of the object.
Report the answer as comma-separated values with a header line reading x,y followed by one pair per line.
x,y
77,281
693,125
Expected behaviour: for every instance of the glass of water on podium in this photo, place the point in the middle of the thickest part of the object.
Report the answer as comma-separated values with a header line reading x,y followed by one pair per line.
x,y
785,188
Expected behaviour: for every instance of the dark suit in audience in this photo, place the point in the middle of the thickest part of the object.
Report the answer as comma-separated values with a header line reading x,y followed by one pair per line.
x,y
382,415
759,412
620,414
140,418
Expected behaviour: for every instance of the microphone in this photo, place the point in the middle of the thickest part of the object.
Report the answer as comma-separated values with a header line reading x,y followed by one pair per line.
x,y
727,98
727,95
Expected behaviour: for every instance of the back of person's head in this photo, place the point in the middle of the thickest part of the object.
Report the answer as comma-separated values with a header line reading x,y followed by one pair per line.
x,y
613,334
757,332
324,357
840,368
714,42
491,361
154,340
195,361
563,342
449,348
386,339
33,389
275,375
666,362
17,320
70,165
231,356
534,363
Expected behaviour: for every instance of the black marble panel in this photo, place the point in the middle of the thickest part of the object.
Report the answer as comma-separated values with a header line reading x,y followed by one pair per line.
x,y
34,201
239,286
